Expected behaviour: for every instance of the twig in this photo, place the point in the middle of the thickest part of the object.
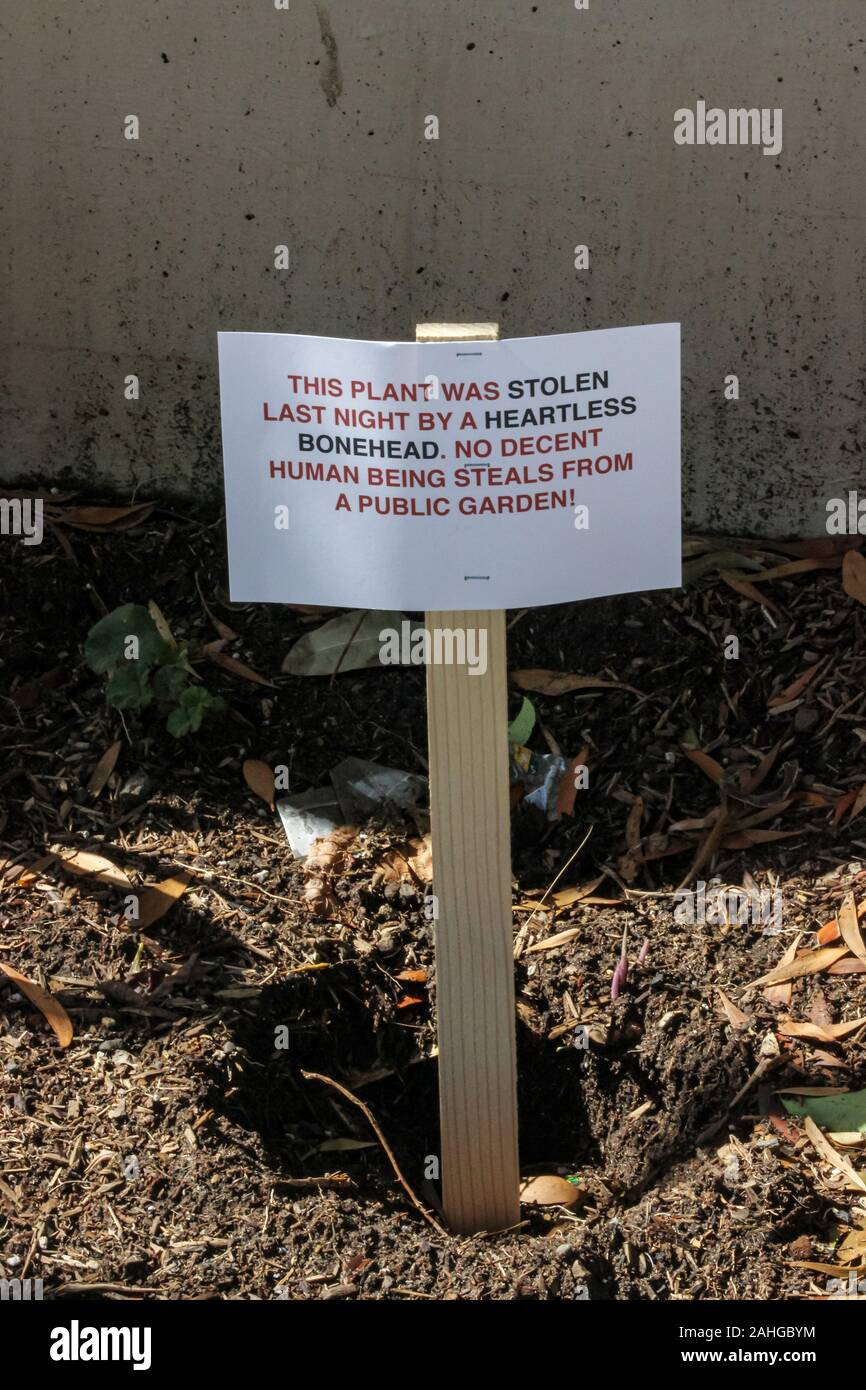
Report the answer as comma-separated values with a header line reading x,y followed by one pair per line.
x,y
765,1065
522,934
368,1114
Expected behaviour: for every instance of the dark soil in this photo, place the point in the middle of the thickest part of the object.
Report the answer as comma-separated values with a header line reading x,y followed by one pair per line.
x,y
172,1151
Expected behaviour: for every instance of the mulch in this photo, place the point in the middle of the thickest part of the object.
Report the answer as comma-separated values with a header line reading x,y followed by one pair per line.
x,y
176,1148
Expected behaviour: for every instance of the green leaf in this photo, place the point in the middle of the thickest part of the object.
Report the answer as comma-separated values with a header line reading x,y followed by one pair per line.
x,y
845,1114
193,705
128,688
520,728
105,646
169,682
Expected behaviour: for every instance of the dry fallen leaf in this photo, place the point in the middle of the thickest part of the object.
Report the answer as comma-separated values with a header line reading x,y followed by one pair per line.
x,y
567,790
854,575
737,1019
781,994
849,928
632,825
796,688
550,942
819,1032
236,668
80,861
259,777
45,1003
319,899
104,769
412,863
743,586
330,854
105,518
155,901
708,765
809,963
543,682
826,1150
160,622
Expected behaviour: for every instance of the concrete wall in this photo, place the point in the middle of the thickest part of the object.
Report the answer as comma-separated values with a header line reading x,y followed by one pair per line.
x,y
306,127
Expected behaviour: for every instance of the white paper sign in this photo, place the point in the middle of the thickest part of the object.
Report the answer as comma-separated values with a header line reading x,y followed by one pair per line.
x,y
451,475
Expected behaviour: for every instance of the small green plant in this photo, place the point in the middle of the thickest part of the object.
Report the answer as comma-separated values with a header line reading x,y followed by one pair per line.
x,y
144,667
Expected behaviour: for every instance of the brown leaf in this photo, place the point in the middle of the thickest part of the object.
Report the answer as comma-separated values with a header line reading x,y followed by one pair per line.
x,y
742,586
708,765
859,804
849,928
82,862
826,1150
235,667
28,695
737,1019
161,623
796,688
707,848
105,518
421,862
319,899
104,769
854,575
797,567
745,839
415,977
846,800
809,963
45,1003
757,778
156,901
567,790
400,864
550,942
566,896
330,853
543,682
781,994
819,1032
848,966
632,825
829,932
259,777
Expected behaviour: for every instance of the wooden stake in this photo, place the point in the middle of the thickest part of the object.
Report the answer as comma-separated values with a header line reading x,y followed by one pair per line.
x,y
470,814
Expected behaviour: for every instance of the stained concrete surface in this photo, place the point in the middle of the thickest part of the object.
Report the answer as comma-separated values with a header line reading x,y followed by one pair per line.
x,y
305,127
